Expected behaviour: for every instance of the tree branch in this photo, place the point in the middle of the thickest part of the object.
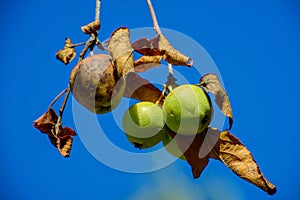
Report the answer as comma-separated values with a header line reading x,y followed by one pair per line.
x,y
89,45
154,19
56,98
97,11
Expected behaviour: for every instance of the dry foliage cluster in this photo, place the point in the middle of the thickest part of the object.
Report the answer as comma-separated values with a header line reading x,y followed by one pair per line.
x,y
228,149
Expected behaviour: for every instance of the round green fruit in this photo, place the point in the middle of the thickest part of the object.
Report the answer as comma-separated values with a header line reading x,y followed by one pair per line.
x,y
143,124
94,85
188,110
172,147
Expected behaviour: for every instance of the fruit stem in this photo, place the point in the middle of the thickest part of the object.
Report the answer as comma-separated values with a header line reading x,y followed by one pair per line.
x,y
154,19
171,80
161,95
170,88
170,68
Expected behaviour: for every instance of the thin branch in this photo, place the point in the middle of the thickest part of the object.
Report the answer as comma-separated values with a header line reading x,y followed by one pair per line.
x,y
170,68
154,19
171,83
97,11
93,40
78,44
62,108
97,17
89,45
56,98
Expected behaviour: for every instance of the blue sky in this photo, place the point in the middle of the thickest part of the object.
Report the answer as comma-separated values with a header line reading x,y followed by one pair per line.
x,y
255,44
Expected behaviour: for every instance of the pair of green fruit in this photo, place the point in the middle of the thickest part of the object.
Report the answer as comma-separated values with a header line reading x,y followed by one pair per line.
x,y
186,110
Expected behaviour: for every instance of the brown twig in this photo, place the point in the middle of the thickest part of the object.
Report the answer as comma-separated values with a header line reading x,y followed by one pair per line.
x,y
62,108
89,45
78,44
56,98
93,40
154,19
97,11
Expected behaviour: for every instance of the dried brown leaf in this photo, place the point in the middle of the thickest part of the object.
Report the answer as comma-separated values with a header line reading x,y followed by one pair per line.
x,y
161,46
239,159
146,47
141,89
190,146
66,132
92,27
53,140
63,140
147,62
64,146
67,54
121,51
225,147
46,121
211,83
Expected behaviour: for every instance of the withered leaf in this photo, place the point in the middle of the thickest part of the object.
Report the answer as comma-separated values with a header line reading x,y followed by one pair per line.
x,y
53,140
121,51
46,121
92,27
64,146
147,62
190,146
63,140
211,83
67,54
238,158
141,89
161,46
145,46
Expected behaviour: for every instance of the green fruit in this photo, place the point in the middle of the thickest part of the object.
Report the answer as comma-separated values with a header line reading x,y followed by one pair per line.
x,y
94,85
172,147
188,110
143,124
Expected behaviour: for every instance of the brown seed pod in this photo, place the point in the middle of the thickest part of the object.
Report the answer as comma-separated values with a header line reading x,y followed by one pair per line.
x,y
94,84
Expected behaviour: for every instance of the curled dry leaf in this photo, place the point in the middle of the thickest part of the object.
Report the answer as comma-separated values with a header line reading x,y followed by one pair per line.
x,y
63,140
160,46
121,51
46,122
225,147
238,158
147,62
92,27
67,54
211,83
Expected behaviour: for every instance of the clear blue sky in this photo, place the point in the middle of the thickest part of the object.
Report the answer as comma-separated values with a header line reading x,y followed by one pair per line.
x,y
255,44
